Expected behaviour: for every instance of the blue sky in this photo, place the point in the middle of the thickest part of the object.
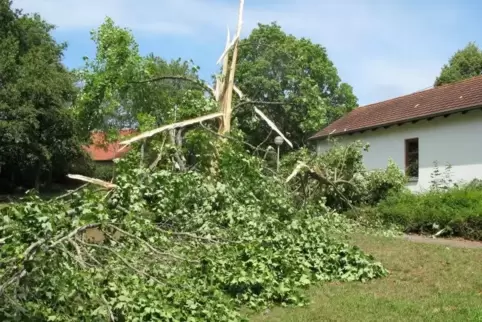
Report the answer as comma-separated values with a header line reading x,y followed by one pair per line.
x,y
382,48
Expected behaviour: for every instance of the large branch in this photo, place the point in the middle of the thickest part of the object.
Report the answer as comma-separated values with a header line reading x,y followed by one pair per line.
x,y
27,255
171,126
272,125
263,116
95,181
72,191
228,93
316,174
159,156
180,162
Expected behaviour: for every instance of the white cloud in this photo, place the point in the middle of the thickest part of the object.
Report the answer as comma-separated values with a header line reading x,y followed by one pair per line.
x,y
375,45
88,14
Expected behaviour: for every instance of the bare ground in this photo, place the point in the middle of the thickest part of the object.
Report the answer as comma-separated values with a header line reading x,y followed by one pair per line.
x,y
457,243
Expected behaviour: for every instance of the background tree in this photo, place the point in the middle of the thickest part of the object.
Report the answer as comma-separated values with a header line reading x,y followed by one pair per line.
x,y
276,67
463,64
37,132
122,89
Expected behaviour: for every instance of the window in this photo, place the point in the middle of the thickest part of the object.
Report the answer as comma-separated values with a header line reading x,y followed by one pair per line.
x,y
411,158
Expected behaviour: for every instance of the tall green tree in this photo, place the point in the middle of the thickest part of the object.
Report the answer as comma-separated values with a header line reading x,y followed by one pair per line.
x,y
276,67
465,63
37,132
119,88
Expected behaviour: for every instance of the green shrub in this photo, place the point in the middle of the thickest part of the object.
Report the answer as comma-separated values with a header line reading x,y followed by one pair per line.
x,y
83,165
342,167
380,183
104,171
458,210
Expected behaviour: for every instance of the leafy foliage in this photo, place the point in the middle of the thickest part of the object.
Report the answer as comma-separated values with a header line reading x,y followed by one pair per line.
x,y
120,88
463,64
447,208
339,179
104,171
276,67
170,246
37,130
458,210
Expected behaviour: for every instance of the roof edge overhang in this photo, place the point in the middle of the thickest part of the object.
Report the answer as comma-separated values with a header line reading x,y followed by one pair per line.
x,y
399,122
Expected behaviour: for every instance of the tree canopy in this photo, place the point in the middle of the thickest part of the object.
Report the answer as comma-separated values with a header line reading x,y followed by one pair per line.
x,y
37,132
122,89
465,63
276,67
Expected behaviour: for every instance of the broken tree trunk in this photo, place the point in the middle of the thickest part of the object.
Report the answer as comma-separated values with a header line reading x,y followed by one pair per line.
x,y
227,95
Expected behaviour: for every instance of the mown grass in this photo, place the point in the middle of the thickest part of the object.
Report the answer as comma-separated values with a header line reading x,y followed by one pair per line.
x,y
426,283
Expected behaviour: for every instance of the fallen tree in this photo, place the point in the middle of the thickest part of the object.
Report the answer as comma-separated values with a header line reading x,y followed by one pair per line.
x,y
175,246
171,240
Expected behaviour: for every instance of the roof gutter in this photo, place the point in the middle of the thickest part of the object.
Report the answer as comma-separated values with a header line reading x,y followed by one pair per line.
x,y
400,122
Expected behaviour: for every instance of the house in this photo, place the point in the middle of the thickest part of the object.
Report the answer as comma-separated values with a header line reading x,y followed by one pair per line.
x,y
103,152
441,124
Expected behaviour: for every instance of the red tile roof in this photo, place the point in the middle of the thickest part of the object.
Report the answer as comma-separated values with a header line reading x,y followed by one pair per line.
x,y
100,151
446,99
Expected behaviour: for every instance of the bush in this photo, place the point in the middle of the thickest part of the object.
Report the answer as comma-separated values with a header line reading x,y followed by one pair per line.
x,y
380,183
104,171
341,180
458,210
83,165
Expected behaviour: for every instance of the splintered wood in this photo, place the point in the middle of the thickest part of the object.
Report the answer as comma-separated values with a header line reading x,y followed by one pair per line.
x,y
95,181
227,94
171,127
272,125
223,93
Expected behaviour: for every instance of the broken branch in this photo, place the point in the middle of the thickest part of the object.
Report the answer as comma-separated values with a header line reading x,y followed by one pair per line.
x,y
227,49
72,191
95,181
316,174
272,125
171,126
159,156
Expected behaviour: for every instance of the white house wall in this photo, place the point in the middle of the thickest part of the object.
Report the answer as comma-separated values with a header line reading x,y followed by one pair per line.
x,y
455,140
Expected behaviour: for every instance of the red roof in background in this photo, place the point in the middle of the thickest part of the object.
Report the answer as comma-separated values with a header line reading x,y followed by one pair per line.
x,y
100,151
460,96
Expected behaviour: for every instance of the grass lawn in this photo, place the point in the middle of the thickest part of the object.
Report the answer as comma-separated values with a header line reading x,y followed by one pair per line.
x,y
426,283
